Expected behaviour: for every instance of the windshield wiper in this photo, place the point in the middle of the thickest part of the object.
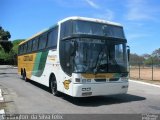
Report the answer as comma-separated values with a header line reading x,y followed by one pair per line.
x,y
99,60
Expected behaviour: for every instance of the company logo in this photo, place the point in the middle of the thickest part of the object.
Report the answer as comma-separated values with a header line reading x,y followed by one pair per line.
x,y
28,58
66,84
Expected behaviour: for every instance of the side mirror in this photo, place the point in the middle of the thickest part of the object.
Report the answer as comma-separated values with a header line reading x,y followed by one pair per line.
x,y
128,52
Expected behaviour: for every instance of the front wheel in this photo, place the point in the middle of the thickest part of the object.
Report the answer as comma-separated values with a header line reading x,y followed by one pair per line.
x,y
53,87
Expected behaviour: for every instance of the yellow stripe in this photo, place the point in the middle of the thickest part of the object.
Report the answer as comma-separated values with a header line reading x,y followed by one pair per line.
x,y
26,61
100,75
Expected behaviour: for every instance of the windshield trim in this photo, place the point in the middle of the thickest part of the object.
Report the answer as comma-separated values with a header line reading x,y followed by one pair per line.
x,y
73,36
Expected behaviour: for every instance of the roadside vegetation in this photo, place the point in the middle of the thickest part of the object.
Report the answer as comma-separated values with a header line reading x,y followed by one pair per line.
x,y
146,59
8,49
10,57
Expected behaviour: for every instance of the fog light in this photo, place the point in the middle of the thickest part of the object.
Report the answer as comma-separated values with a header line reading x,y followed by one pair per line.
x,y
88,89
124,86
83,89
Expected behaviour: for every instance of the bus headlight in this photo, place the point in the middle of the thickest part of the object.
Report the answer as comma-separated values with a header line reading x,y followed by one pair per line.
x,y
77,80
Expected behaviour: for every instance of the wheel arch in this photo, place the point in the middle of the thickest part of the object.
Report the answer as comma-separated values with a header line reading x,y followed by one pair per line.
x,y
52,75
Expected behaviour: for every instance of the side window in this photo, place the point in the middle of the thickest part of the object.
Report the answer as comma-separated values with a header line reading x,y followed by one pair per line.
x,y
29,46
52,38
25,48
34,44
42,41
19,49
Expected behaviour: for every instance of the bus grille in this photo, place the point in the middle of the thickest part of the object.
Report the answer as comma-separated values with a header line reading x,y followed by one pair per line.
x,y
100,80
113,79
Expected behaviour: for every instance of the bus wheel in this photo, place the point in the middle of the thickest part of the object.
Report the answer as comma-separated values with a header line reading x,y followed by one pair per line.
x,y
24,76
53,87
21,73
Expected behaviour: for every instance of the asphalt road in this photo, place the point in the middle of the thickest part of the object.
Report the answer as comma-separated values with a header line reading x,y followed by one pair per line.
x,y
29,97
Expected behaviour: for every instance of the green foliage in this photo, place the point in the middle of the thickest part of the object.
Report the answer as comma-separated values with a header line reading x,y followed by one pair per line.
x,y
152,60
136,59
7,46
9,56
146,59
4,35
15,45
5,56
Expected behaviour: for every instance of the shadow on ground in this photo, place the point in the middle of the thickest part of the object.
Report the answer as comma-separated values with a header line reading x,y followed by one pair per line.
x,y
103,100
95,100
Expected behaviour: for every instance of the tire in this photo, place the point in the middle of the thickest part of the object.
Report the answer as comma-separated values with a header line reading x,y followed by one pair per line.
x,y
53,86
21,74
24,76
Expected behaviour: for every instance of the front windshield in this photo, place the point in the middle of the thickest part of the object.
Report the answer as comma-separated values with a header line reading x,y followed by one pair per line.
x,y
99,29
86,55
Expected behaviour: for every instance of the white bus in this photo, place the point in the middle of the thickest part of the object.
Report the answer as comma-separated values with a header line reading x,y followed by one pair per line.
x,y
79,56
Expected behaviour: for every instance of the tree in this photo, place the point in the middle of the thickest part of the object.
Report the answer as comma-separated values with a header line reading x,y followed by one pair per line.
x,y
156,53
15,45
136,59
10,57
4,37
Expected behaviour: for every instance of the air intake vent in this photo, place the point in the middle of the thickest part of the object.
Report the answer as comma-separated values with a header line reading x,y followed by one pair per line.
x,y
113,79
100,80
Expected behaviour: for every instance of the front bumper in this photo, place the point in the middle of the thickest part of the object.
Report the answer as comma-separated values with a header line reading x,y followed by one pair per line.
x,y
99,89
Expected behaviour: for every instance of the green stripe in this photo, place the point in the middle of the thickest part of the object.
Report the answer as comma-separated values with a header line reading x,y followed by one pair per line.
x,y
39,64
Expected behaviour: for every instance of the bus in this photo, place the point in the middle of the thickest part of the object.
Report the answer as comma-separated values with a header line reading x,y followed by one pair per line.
x,y
79,56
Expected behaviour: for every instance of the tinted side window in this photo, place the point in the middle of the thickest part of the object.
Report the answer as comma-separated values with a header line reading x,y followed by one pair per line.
x,y
29,46
42,41
25,48
34,44
52,38
20,49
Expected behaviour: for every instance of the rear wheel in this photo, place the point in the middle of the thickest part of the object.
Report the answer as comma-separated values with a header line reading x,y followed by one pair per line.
x,y
24,77
21,73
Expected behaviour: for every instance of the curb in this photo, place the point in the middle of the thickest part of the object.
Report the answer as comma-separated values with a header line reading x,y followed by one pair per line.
x,y
1,100
145,83
10,66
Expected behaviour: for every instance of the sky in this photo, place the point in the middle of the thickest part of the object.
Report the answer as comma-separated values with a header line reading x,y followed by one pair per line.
x,y
140,18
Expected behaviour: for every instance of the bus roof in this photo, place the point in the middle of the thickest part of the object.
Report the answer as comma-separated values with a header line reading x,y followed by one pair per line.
x,y
74,18
35,35
91,20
